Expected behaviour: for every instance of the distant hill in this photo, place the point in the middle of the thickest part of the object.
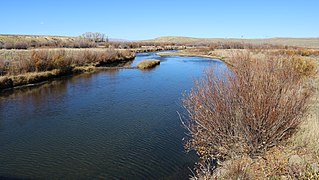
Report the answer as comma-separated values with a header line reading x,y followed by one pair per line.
x,y
17,37
43,38
300,42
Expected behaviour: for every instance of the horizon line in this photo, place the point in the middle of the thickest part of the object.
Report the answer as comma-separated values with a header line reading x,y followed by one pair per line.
x,y
274,37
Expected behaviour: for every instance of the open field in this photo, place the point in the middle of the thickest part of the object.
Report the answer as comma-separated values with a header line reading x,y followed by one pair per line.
x,y
298,42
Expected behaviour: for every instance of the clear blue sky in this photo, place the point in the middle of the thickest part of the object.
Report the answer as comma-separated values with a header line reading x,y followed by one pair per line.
x,y
145,19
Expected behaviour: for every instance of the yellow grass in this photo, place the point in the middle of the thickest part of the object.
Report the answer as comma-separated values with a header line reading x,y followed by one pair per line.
x,y
300,42
308,135
148,63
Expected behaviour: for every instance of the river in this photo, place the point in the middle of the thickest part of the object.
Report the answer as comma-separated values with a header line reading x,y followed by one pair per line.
x,y
117,124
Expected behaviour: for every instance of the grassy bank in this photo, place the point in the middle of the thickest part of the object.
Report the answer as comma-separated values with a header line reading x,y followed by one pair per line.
x,y
189,52
227,54
22,67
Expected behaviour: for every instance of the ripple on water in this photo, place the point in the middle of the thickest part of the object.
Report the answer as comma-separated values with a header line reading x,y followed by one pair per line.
x,y
120,125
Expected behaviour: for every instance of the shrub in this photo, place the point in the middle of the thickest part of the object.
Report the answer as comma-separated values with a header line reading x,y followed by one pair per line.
x,y
23,66
45,60
8,45
3,66
61,59
247,111
303,67
21,45
90,56
40,60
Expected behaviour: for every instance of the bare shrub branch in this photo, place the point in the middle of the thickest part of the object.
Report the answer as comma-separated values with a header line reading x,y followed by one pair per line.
x,y
248,110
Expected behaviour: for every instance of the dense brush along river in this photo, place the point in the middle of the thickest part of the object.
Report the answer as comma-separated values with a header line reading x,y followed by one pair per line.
x,y
116,124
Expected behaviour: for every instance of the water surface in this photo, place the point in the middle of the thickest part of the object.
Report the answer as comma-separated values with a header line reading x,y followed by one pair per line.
x,y
119,124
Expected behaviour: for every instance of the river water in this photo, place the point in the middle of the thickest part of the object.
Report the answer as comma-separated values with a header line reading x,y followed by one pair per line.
x,y
118,124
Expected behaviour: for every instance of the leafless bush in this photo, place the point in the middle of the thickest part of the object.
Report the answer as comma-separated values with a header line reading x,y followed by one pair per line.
x,y
40,60
78,43
8,45
247,111
45,60
3,66
21,45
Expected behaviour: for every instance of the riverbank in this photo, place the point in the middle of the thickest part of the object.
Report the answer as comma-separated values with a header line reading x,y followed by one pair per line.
x,y
221,54
296,158
29,67
225,55
156,48
189,53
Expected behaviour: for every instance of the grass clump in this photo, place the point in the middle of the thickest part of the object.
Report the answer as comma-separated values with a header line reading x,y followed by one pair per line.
x,y
149,63
275,164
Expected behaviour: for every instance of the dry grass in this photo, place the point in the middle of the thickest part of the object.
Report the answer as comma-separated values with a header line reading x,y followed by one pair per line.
x,y
33,41
275,164
32,66
222,54
86,40
14,62
148,63
297,51
298,42
308,136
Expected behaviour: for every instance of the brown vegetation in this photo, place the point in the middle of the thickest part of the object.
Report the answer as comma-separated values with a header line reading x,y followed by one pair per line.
x,y
49,59
189,41
86,40
297,51
278,163
28,67
148,63
247,112
27,42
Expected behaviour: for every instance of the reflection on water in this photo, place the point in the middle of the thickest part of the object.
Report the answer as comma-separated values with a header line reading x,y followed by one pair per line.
x,y
112,124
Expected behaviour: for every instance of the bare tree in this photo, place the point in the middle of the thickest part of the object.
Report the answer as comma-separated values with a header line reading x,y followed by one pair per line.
x,y
94,36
